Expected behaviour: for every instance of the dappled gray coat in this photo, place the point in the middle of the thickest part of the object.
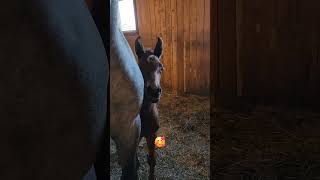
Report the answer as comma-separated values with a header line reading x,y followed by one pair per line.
x,y
126,90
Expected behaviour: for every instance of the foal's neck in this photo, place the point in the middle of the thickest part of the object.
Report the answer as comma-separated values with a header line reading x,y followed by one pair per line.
x,y
147,103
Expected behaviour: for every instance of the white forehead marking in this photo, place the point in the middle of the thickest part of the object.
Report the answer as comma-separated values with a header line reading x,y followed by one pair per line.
x,y
153,58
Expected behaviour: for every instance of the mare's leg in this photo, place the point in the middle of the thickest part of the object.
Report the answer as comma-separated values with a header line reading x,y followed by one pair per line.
x,y
127,147
151,156
127,158
129,171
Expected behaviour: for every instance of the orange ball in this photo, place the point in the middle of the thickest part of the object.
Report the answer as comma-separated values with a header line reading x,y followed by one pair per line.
x,y
160,142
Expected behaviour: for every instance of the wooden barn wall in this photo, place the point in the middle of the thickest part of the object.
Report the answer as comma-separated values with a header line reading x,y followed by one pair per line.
x,y
184,26
268,48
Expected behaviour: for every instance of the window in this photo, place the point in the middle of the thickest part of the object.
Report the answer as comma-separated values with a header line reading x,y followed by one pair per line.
x,y
127,15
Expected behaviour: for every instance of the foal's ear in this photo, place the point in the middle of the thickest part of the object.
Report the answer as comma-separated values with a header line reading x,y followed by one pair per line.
x,y
139,47
159,47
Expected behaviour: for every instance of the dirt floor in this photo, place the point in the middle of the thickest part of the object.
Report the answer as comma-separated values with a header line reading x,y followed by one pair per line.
x,y
185,122
267,143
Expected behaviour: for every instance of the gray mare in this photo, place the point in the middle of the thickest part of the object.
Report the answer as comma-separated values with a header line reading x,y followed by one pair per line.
x,y
126,90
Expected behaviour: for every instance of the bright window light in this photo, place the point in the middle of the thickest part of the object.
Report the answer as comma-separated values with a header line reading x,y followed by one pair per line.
x,y
127,15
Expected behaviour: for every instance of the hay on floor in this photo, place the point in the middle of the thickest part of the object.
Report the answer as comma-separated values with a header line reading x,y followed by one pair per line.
x,y
185,122
267,143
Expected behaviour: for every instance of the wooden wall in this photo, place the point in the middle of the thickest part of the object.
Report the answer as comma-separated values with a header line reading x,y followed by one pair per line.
x,y
268,48
184,26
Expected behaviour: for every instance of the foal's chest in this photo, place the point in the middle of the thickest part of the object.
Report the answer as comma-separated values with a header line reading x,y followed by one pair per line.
x,y
149,119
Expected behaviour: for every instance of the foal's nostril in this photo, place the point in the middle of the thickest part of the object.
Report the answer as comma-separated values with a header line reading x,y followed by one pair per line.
x,y
154,92
158,90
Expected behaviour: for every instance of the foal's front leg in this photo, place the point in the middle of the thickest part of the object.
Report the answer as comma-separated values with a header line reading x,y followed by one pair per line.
x,y
151,156
137,159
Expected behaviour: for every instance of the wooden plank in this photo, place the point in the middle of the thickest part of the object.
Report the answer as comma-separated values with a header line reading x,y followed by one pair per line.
x,y
174,28
168,39
159,14
163,31
138,14
201,68
141,13
157,17
184,26
180,46
198,45
147,26
193,48
160,17
206,48
186,45
214,55
153,21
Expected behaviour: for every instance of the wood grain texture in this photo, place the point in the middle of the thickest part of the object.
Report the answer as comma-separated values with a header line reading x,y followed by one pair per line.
x,y
180,65
184,26
267,48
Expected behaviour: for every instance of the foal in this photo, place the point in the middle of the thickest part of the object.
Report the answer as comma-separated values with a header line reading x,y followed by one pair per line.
x,y
151,69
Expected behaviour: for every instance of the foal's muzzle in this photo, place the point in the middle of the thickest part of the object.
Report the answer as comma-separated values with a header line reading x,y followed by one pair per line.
x,y
154,94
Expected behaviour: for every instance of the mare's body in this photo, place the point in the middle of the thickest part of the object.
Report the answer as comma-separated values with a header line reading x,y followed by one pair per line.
x,y
126,90
53,88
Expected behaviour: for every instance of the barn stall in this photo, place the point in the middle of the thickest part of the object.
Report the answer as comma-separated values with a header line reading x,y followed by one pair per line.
x,y
265,73
184,26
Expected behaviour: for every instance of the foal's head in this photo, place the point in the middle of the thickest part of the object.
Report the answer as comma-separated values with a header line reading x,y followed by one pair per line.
x,y
151,68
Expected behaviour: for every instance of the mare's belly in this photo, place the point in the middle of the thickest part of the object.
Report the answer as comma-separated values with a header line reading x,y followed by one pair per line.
x,y
126,86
